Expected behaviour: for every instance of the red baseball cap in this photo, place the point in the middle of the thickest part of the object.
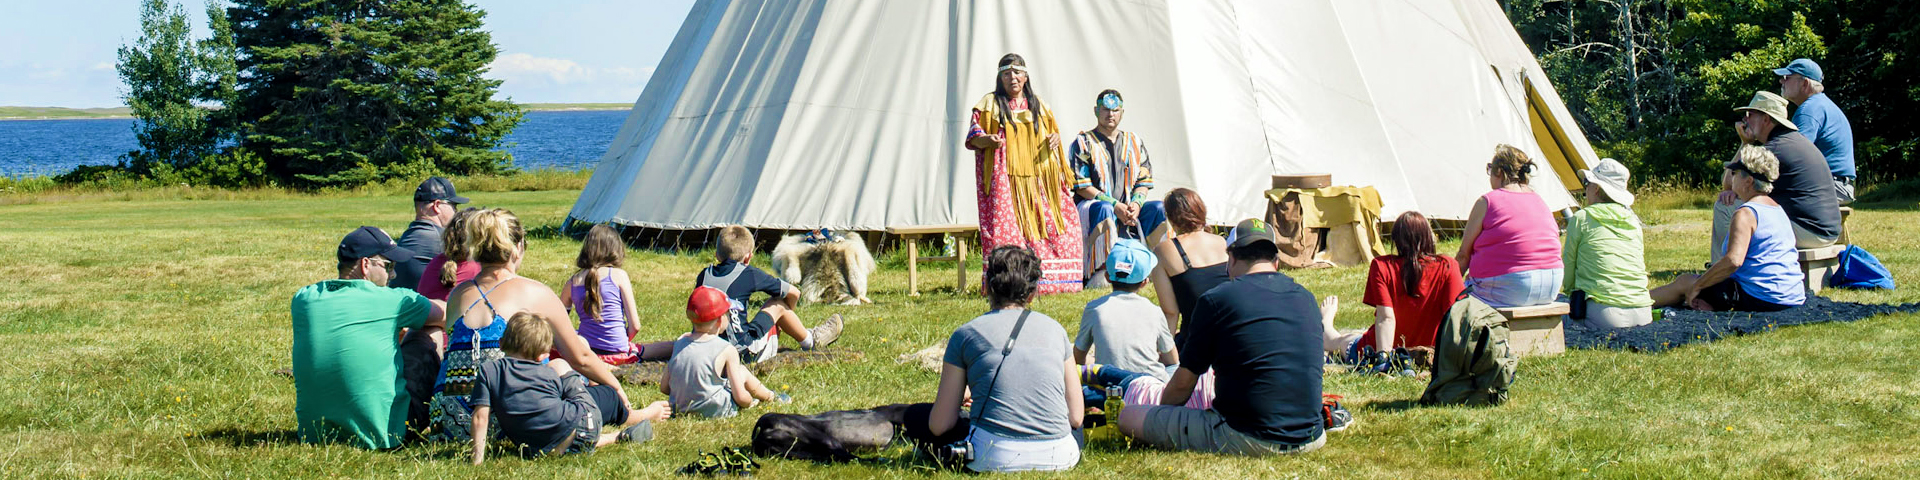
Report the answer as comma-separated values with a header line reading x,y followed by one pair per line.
x,y
707,304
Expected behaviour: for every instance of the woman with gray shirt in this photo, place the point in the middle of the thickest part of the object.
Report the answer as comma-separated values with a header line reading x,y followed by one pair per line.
x,y
1024,420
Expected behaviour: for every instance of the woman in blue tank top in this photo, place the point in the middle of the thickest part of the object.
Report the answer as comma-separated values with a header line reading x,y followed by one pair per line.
x,y
478,311
1760,271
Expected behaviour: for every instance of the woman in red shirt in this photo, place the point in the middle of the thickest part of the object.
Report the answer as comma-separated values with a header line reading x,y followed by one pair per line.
x,y
1410,293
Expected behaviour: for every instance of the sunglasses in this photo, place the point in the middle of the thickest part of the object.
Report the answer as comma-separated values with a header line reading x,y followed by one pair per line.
x,y
383,264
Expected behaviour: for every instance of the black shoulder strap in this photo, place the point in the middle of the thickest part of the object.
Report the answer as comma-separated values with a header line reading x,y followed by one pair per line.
x,y
1011,337
1182,249
1004,352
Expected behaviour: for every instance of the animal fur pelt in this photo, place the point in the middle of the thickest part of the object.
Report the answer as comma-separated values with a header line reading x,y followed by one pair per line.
x,y
830,267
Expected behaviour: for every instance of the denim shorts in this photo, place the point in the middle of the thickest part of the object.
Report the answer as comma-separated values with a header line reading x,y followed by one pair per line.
x,y
1518,289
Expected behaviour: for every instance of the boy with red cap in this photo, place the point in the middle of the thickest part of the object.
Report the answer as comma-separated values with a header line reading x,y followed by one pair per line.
x,y
705,375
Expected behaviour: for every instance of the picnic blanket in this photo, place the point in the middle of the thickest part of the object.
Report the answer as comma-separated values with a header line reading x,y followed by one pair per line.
x,y
1682,327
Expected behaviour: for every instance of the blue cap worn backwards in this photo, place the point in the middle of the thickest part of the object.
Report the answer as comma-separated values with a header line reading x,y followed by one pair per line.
x,y
1803,67
1130,262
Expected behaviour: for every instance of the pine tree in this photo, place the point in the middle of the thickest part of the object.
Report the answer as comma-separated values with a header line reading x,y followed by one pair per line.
x,y
342,92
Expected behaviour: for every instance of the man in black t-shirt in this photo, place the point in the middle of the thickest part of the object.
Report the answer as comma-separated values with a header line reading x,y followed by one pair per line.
x,y
1805,189
1260,334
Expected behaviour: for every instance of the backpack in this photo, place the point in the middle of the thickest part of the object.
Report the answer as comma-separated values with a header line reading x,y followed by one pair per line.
x,y
1472,363
1859,269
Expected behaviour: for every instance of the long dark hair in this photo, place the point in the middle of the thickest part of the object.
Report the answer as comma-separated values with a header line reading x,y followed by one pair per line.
x,y
601,248
1413,241
1000,90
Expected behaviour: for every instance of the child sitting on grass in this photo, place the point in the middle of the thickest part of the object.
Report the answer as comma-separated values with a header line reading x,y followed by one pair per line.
x,y
601,294
549,409
705,375
1123,329
758,339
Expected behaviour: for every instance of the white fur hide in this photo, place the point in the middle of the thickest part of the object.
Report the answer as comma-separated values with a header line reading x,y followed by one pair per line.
x,y
826,272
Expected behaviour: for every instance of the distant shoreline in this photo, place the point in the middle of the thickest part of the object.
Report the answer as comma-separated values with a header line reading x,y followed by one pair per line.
x,y
116,113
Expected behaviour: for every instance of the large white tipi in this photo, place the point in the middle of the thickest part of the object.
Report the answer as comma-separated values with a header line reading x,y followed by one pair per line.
x,y
850,114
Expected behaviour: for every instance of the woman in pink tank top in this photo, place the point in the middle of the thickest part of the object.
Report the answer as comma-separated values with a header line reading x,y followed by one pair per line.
x,y
1511,249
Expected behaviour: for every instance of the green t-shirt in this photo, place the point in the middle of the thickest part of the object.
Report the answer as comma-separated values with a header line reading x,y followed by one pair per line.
x,y
346,361
1604,256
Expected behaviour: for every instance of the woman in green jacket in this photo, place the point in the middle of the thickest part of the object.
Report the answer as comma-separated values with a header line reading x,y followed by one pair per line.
x,y
1603,252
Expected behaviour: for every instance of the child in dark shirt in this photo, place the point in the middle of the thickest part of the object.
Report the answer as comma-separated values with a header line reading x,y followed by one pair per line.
x,y
758,339
549,409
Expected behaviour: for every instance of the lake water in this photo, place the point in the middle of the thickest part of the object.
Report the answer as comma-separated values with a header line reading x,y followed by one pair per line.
x,y
568,140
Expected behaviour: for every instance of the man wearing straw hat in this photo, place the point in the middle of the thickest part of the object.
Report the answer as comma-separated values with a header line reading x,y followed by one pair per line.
x,y
1805,187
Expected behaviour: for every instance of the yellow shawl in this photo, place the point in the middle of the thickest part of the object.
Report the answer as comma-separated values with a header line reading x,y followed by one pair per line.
x,y
1036,174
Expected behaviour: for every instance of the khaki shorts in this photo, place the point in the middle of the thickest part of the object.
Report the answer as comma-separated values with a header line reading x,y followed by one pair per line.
x,y
1181,428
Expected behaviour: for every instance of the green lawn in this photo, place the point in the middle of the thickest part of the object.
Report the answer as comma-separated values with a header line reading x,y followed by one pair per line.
x,y
142,335
10,113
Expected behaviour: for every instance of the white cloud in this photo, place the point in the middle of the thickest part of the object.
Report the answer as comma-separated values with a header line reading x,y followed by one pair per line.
x,y
521,66
530,78
103,66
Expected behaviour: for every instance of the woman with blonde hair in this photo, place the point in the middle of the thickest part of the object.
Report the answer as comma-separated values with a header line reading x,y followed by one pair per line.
x,y
479,310
1511,248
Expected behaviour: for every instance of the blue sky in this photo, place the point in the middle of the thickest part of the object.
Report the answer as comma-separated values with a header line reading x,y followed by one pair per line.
x,y
61,53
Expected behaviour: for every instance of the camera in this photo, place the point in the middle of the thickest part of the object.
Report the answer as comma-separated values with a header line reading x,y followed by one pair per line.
x,y
955,455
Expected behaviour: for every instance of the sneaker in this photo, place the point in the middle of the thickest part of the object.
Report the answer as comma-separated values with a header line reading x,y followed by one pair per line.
x,y
637,433
824,334
782,398
1337,416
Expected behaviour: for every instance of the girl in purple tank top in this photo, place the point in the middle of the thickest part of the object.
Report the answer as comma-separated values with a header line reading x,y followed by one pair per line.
x,y
601,295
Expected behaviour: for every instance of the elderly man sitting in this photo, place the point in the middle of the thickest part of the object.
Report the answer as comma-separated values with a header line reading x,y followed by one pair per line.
x,y
1804,188
1821,121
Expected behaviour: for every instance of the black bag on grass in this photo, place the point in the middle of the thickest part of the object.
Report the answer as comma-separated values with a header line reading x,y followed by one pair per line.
x,y
1472,362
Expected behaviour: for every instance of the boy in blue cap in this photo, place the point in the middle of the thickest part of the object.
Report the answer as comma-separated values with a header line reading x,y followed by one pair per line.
x,y
1126,331
1821,121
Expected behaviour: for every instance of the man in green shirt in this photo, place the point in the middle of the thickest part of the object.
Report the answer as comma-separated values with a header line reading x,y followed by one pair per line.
x,y
347,362
1603,253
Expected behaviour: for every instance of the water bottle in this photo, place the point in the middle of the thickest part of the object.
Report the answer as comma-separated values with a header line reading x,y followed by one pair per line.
x,y
1114,404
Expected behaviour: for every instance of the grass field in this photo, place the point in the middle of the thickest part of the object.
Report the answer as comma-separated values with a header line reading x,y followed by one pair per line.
x,y
19,113
141,334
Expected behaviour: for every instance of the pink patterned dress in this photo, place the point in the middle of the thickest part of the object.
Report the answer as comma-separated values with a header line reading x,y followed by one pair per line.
x,y
1023,190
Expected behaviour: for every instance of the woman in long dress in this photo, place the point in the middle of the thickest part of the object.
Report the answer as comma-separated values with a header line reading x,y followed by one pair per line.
x,y
1024,179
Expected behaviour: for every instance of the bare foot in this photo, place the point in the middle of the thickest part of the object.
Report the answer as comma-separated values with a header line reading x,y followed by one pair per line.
x,y
656,411
1329,306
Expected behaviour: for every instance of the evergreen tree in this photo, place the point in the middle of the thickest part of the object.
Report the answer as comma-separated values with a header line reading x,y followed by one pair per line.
x,y
162,72
342,92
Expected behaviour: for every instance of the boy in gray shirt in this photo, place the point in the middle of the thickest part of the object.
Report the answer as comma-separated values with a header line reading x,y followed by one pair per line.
x,y
545,407
1126,332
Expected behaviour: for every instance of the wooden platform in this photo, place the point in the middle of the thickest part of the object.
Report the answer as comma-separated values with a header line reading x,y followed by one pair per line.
x,y
1536,330
911,235
1818,263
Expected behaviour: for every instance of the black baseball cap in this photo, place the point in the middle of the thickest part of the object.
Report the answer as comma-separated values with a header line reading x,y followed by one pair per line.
x,y
437,188
1249,232
368,241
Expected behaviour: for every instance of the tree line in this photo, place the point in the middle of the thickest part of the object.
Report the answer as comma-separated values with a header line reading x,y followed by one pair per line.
x,y
1653,82
311,94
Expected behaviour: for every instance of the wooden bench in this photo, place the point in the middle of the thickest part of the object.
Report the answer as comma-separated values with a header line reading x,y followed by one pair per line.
x,y
912,235
1536,330
1817,263
1844,213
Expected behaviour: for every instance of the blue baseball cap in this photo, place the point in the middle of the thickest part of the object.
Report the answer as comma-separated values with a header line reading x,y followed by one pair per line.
x,y
1130,262
1802,66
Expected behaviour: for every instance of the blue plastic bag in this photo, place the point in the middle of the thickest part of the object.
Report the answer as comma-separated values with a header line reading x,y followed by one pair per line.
x,y
1859,269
